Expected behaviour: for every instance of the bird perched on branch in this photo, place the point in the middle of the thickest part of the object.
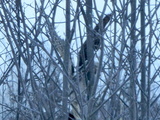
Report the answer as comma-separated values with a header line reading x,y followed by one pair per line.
x,y
96,40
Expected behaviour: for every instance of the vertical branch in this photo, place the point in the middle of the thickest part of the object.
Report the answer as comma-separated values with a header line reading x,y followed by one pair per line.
x,y
90,74
149,63
90,54
143,61
133,113
18,2
114,101
66,59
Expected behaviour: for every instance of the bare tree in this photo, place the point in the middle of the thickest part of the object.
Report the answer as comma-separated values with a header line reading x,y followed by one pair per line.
x,y
82,60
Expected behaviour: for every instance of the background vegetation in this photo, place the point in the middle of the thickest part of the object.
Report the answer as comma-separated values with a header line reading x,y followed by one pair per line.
x,y
43,41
